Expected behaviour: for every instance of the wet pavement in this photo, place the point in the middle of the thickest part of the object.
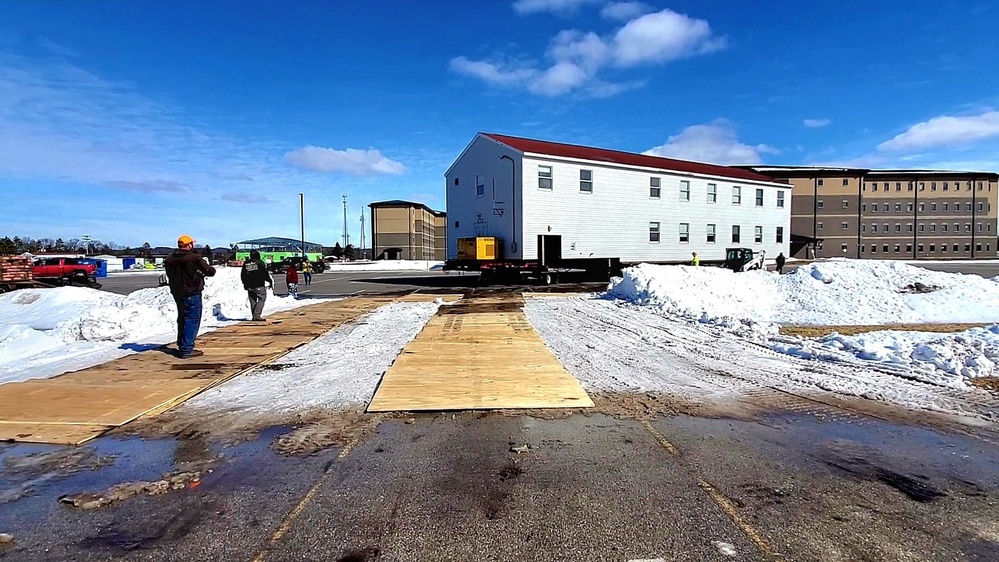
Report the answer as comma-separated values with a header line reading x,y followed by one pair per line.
x,y
587,487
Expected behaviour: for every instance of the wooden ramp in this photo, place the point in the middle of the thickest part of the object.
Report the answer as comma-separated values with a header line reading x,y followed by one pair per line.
x,y
76,407
480,353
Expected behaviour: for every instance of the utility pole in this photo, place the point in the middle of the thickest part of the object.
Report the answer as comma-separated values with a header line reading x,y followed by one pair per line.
x,y
345,221
301,204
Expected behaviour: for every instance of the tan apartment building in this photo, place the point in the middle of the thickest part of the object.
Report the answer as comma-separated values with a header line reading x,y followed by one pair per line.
x,y
890,214
405,230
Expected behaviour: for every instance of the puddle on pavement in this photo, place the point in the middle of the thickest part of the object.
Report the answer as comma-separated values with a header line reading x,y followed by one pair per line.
x,y
34,477
920,463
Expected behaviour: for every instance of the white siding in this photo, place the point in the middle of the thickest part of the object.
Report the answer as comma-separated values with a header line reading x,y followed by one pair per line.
x,y
613,220
491,214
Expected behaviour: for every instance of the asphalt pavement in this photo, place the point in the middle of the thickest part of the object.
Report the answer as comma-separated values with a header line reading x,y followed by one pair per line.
x,y
477,486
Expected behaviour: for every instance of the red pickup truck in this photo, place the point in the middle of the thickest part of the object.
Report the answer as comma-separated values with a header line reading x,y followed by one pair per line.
x,y
66,270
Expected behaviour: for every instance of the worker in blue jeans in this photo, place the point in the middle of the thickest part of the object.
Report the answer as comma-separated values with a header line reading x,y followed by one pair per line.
x,y
186,271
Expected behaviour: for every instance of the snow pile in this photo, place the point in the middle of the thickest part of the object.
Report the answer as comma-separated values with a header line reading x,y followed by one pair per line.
x,y
44,332
840,292
843,292
386,265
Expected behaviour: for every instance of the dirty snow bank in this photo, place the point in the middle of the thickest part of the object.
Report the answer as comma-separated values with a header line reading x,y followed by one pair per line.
x,y
839,292
339,369
45,332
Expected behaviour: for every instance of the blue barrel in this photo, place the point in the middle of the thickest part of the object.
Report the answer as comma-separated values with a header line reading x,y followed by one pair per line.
x,y
102,265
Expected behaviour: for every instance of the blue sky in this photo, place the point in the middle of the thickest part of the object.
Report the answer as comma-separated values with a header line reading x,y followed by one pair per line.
x,y
137,121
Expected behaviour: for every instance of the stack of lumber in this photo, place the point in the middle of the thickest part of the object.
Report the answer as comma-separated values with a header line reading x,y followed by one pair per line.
x,y
15,268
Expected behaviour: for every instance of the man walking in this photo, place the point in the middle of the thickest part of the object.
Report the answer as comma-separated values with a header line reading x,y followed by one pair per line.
x,y
186,271
254,276
780,263
307,271
696,261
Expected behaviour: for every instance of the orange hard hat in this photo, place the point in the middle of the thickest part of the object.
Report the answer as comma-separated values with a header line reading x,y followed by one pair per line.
x,y
184,240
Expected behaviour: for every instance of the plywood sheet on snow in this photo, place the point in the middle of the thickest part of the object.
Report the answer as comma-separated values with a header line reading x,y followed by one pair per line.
x,y
477,354
78,406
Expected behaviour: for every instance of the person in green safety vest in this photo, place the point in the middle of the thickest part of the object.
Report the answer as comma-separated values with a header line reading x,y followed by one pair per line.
x,y
696,261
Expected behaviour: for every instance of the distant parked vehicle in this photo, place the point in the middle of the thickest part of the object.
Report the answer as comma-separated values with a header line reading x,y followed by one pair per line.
x,y
67,271
296,262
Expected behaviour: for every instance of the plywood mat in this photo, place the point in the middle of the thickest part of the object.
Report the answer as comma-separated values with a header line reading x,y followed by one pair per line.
x,y
78,406
480,353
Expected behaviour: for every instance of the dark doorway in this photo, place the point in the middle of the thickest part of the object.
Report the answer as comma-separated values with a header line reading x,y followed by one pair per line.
x,y
549,249
390,254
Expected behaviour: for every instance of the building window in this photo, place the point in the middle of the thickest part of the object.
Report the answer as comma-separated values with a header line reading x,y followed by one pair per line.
x,y
908,227
957,227
922,207
884,248
846,181
684,232
711,234
758,234
480,185
842,248
586,181
898,227
981,206
780,234
863,249
908,208
712,193
933,228
863,207
967,227
759,198
736,195
922,228
908,248
654,231
980,225
955,247
818,225
967,207
544,177
910,185
886,227
863,228
820,181
898,207
978,247
919,248
819,204
844,226
945,186
945,207
933,186
898,186
933,248
933,206
967,247
874,227
874,207
874,248
846,204
898,248
684,190
654,188
780,199
885,207
874,186
736,234
943,227
943,248
922,186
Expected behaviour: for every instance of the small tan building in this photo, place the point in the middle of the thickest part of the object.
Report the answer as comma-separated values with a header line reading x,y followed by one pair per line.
x,y
405,230
891,214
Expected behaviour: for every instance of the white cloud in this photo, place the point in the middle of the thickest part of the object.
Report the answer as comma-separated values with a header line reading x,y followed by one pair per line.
x,y
715,143
351,161
945,130
663,36
816,123
624,11
246,198
577,58
525,7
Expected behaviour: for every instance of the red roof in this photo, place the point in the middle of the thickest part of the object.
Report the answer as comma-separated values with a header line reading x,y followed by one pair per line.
x,y
629,158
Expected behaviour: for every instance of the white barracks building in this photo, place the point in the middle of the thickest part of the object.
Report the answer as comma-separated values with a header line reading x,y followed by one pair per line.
x,y
583,202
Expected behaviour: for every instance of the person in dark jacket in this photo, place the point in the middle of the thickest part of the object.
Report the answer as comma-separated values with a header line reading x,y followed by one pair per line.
x,y
186,271
254,276
291,278
780,263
